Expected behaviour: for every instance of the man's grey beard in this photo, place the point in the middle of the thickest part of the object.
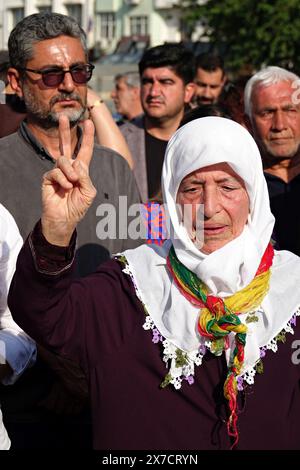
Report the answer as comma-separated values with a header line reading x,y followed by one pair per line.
x,y
48,119
269,154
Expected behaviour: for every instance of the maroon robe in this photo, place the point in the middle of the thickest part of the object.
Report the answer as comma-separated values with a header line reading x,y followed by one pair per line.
x,y
97,322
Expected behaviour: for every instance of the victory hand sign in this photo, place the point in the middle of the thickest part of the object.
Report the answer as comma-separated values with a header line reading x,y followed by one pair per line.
x,y
67,190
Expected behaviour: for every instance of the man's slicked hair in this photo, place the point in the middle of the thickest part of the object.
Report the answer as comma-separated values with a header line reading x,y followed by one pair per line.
x,y
38,27
210,62
173,55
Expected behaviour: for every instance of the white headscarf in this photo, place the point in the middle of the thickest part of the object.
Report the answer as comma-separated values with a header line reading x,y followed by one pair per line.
x,y
200,143
204,142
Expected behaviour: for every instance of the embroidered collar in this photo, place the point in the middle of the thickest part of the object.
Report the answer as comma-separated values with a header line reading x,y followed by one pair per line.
x,y
174,319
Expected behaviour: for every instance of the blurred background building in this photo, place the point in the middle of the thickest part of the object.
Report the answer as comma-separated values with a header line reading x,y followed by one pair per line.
x,y
118,31
105,21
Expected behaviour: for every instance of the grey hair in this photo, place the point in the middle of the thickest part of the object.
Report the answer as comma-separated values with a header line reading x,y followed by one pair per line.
x,y
265,77
38,27
132,79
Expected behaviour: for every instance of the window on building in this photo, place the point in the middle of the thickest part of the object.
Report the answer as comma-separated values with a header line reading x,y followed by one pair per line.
x,y
17,14
45,9
139,25
107,25
75,11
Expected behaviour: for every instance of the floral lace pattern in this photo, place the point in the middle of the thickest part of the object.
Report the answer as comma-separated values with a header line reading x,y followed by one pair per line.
x,y
272,345
182,364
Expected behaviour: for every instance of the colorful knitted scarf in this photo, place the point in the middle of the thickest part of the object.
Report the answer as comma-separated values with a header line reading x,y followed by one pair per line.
x,y
219,317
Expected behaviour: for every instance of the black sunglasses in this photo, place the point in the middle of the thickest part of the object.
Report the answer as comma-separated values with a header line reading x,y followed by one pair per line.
x,y
55,76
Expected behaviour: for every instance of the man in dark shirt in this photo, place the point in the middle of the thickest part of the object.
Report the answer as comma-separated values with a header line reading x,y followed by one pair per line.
x,y
167,74
272,106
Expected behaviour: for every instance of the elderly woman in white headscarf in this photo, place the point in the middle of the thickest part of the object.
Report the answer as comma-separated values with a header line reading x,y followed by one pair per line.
x,y
215,296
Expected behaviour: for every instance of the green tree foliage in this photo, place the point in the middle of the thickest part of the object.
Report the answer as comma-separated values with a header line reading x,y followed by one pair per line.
x,y
252,32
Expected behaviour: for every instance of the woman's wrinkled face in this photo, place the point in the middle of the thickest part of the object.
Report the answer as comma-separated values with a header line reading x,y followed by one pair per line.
x,y
224,204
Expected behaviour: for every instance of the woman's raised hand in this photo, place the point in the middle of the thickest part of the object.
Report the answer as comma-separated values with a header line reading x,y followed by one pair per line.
x,y
67,190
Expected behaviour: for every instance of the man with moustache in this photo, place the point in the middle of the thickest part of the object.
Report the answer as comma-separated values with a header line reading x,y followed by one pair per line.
x,y
167,73
273,111
49,71
210,79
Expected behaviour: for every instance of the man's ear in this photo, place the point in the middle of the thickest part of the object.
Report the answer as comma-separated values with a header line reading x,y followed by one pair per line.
x,y
189,91
13,76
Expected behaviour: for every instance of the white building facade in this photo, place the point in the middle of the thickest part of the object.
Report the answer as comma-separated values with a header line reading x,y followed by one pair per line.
x,y
158,19
105,21
12,11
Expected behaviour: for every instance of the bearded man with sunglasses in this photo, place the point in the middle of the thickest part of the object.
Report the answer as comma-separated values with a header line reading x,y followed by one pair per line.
x,y
49,71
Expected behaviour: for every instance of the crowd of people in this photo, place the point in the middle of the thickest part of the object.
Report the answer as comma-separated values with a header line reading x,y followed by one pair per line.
x,y
156,290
